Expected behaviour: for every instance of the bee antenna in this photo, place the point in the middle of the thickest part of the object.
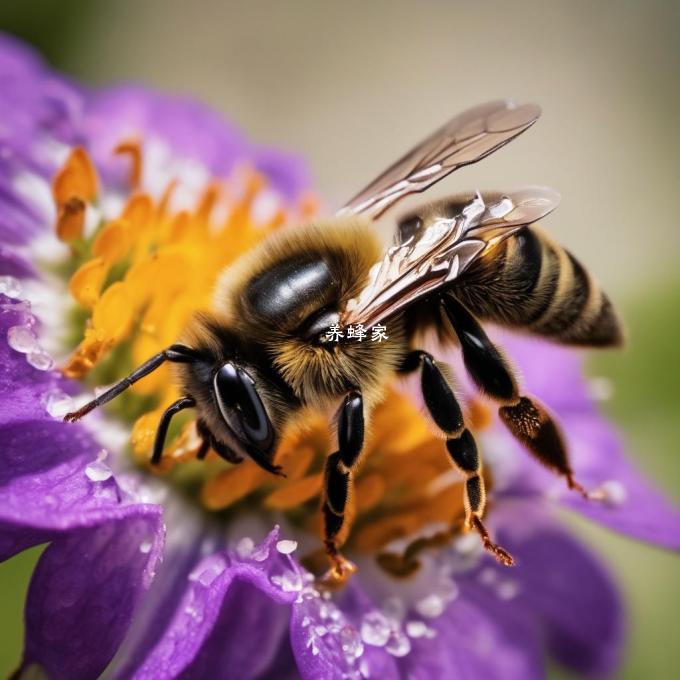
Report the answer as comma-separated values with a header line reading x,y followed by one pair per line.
x,y
175,353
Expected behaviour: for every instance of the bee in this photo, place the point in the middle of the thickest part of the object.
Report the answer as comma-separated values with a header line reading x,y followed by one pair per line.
x,y
253,364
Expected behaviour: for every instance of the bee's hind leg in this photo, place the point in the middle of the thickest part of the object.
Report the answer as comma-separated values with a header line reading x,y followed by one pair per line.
x,y
443,406
338,481
526,418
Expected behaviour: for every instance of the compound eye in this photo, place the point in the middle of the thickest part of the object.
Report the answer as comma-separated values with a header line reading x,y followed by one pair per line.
x,y
241,406
317,325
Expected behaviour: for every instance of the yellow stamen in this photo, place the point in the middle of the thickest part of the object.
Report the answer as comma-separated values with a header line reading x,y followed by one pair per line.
x,y
85,285
70,219
133,149
77,177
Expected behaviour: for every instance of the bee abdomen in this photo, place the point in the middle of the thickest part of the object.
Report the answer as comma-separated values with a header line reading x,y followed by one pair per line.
x,y
531,282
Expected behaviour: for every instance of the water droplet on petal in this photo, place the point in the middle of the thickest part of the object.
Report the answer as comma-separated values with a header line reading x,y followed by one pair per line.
x,y
416,629
40,360
98,471
431,606
22,339
10,286
286,547
260,553
612,492
145,546
375,629
398,644
205,575
291,581
57,403
245,546
352,646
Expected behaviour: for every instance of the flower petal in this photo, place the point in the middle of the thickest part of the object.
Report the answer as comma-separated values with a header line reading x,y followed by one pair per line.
x,y
85,590
44,486
474,640
560,584
632,505
204,626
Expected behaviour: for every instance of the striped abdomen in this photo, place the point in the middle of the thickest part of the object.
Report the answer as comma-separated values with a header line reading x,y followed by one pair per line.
x,y
529,281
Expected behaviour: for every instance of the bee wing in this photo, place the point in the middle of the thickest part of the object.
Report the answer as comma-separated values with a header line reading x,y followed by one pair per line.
x,y
465,139
433,256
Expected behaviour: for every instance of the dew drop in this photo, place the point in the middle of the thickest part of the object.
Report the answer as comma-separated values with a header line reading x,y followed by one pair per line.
x,y
352,646
431,606
286,547
260,553
612,492
145,546
22,339
57,403
98,471
375,629
207,575
416,629
245,546
291,582
10,286
398,644
40,360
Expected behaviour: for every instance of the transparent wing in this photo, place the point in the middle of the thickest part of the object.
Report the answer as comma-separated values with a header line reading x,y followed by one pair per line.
x,y
429,257
465,139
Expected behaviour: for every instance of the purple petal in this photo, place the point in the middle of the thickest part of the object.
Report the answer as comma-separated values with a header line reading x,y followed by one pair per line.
x,y
85,590
476,640
191,130
12,264
214,619
561,584
634,507
44,487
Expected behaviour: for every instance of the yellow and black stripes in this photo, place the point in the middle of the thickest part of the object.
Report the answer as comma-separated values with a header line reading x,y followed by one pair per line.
x,y
443,406
528,281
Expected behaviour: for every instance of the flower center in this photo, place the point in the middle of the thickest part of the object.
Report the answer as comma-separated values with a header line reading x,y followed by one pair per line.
x,y
140,275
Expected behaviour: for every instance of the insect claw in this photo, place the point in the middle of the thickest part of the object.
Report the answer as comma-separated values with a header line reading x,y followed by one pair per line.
x,y
338,574
501,554
573,484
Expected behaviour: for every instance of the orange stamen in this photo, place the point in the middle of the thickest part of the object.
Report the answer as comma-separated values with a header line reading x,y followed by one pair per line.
x,y
133,149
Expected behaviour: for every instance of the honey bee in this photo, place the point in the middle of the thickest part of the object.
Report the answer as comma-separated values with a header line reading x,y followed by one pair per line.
x,y
253,364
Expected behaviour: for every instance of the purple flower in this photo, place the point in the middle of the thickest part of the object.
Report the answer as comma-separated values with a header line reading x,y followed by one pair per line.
x,y
140,581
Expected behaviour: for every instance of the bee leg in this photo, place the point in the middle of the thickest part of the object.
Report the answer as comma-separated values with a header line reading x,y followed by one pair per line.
x,y
338,479
526,418
162,431
443,406
206,439
174,353
209,442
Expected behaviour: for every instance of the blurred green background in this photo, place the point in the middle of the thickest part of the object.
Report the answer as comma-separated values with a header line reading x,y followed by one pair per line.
x,y
349,85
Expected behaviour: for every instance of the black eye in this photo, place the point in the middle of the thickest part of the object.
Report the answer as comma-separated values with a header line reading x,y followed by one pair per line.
x,y
241,406
317,324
